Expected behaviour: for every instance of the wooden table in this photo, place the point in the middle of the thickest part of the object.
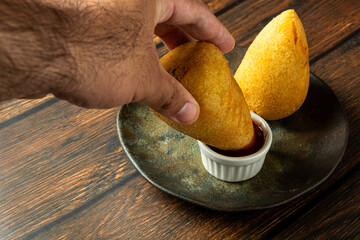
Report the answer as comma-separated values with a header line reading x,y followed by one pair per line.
x,y
64,174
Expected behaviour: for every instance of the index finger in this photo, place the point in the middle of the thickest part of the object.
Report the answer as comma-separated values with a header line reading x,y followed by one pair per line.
x,y
196,19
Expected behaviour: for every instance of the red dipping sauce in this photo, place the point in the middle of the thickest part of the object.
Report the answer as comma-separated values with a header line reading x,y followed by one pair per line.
x,y
257,144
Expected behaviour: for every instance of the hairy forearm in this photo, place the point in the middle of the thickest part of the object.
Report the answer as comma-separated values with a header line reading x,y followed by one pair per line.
x,y
34,54
52,46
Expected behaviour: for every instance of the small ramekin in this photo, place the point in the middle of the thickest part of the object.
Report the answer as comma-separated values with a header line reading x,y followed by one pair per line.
x,y
235,169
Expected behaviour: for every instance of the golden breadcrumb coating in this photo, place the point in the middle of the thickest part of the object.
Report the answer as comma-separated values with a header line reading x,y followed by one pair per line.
x,y
225,120
274,74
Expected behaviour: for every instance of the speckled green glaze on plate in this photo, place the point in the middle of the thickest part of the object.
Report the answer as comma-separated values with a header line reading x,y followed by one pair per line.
x,y
306,149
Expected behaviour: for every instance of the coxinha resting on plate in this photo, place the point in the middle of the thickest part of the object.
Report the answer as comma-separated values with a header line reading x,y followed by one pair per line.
x,y
274,74
273,79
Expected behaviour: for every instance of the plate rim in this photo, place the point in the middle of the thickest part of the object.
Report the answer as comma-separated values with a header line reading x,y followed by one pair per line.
x,y
239,209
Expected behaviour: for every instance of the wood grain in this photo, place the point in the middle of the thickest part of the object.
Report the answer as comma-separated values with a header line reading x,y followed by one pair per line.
x,y
68,156
140,211
64,175
335,217
12,108
218,5
336,19
151,214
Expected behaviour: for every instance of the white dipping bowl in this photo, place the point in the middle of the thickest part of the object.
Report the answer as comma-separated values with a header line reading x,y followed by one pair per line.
x,y
235,169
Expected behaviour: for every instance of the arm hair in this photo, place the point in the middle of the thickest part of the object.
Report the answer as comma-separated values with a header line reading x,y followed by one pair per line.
x,y
51,46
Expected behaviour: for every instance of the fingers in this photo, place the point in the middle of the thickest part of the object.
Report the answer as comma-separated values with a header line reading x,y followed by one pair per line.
x,y
174,36
195,18
169,98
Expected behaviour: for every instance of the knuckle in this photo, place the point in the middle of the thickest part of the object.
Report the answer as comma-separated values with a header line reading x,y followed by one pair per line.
x,y
169,97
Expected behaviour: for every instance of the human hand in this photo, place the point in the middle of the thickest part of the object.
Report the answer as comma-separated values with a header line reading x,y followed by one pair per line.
x,y
140,76
109,57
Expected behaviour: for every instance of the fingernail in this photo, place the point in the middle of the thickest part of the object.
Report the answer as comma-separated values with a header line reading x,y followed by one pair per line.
x,y
187,113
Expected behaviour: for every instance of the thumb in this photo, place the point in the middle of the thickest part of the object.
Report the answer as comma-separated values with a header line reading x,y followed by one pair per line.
x,y
169,98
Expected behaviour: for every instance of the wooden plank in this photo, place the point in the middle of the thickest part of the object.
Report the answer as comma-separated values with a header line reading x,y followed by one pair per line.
x,y
217,5
54,162
336,20
337,216
340,70
140,211
15,107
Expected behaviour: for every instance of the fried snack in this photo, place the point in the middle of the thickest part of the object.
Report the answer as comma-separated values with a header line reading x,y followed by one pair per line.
x,y
225,120
274,74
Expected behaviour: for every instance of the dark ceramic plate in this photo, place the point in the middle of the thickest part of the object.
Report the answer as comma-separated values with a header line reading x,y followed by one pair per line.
x,y
306,149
